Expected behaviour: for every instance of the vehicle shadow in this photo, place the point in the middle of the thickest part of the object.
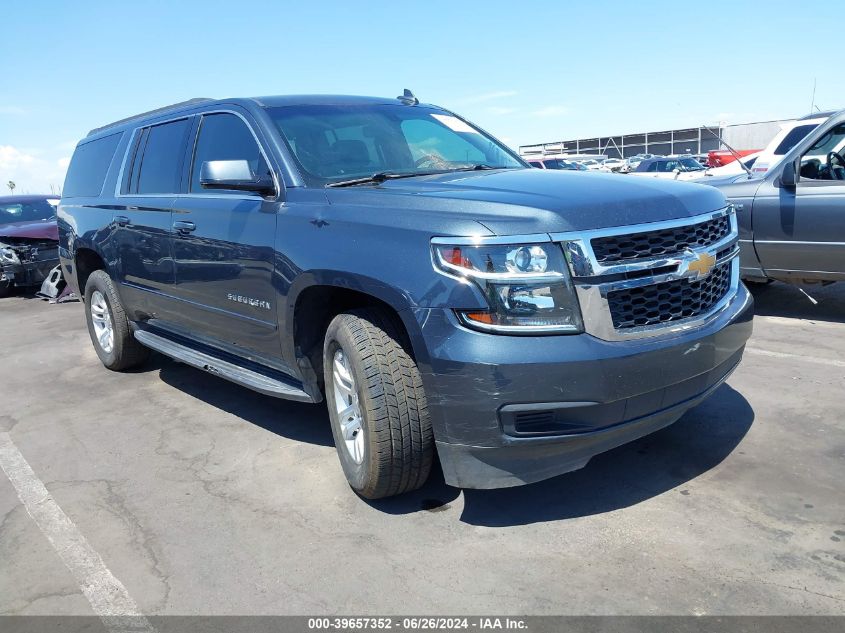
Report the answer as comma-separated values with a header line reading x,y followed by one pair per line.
x,y
623,477
295,420
785,300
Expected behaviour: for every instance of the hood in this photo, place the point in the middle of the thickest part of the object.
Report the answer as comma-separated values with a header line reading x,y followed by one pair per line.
x,y
38,230
510,202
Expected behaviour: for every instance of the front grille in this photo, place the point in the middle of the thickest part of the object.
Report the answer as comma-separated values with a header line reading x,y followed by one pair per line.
x,y
668,301
617,248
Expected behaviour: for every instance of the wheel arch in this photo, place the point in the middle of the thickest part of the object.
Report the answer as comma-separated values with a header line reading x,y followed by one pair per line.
x,y
317,297
86,261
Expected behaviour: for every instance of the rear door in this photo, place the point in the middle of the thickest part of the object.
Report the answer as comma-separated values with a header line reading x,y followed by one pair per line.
x,y
802,228
223,245
152,177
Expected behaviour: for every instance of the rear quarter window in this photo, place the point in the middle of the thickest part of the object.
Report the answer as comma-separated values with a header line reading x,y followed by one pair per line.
x,y
87,171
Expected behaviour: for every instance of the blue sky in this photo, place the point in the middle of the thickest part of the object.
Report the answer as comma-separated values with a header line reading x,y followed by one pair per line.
x,y
525,71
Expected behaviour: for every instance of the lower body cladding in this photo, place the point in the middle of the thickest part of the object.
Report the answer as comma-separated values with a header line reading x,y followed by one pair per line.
x,y
512,410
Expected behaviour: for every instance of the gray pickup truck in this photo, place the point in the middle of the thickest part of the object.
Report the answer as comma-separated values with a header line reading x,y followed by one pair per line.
x,y
792,218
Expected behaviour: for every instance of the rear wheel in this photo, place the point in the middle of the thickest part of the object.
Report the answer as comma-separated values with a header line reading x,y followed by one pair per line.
x,y
376,404
108,325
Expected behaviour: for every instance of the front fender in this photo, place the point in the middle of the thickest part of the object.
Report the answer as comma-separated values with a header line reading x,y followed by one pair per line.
x,y
397,298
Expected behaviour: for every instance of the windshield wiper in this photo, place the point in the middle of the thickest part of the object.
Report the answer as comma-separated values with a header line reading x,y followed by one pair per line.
x,y
390,175
480,167
380,177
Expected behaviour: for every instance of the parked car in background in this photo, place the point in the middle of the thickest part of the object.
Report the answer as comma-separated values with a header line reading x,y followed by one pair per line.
x,y
29,240
721,157
670,167
632,161
556,163
591,164
789,136
613,164
791,216
391,258
735,168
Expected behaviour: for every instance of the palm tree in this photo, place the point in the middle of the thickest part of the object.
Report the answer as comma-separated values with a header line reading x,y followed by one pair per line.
x,y
11,186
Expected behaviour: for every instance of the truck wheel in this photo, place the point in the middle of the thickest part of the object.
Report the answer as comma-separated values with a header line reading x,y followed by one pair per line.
x,y
377,406
108,325
6,287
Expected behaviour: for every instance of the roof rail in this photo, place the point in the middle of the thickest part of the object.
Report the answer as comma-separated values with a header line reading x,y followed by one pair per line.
x,y
174,106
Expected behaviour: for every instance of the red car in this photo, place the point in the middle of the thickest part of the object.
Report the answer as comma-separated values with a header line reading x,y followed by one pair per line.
x,y
29,240
722,157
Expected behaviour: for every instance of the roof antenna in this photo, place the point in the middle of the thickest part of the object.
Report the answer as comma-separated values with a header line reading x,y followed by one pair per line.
x,y
408,98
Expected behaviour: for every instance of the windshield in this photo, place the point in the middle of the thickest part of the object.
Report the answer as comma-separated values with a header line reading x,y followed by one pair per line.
x,y
26,211
334,143
690,164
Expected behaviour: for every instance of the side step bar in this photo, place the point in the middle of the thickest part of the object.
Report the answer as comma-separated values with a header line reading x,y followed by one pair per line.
x,y
254,380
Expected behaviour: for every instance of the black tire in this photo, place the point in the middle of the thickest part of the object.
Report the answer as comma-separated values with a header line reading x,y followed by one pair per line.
x,y
125,352
6,288
398,444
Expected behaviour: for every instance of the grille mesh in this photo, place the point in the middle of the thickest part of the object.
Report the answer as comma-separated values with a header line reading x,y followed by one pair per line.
x,y
668,301
647,244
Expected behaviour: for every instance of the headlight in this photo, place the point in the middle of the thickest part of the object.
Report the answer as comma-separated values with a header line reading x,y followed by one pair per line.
x,y
8,255
527,286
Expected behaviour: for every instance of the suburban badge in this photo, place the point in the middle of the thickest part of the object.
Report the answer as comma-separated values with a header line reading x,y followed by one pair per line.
x,y
255,303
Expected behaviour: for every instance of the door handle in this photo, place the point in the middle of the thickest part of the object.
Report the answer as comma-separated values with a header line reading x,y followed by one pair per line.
x,y
184,227
121,220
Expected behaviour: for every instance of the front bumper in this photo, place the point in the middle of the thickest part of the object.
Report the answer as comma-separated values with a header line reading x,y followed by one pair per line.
x,y
28,273
594,395
32,264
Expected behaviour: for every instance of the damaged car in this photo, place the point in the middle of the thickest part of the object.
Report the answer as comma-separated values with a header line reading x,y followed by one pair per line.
x,y
29,241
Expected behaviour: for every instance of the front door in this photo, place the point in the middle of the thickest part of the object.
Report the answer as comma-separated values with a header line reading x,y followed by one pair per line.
x,y
223,247
802,228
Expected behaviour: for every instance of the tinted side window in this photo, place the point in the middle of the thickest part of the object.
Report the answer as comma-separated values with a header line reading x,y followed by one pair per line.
x,y
793,137
161,162
88,167
225,137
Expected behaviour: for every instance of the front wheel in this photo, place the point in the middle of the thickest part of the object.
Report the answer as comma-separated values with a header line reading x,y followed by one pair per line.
x,y
6,287
377,405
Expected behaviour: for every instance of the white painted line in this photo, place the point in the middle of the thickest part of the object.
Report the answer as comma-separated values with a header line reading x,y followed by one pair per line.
x,y
830,362
107,595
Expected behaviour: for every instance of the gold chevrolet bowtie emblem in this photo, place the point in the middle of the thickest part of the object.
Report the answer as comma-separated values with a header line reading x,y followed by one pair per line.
x,y
702,265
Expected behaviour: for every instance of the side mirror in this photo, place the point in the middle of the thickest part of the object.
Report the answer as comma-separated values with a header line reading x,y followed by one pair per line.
x,y
789,175
234,175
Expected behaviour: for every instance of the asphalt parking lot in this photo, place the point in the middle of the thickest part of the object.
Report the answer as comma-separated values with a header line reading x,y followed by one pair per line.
x,y
205,498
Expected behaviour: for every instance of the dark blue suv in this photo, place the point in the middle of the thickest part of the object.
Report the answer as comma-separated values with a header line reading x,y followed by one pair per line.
x,y
400,263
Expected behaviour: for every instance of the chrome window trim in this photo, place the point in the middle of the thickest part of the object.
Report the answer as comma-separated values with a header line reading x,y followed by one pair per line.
x,y
188,194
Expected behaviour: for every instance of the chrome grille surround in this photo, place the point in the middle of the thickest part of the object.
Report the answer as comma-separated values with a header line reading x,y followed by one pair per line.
x,y
595,280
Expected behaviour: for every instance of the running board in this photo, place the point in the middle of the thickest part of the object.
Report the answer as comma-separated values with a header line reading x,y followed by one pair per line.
x,y
249,378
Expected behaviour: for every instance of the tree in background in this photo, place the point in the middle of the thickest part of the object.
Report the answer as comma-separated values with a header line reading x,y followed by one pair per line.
x,y
11,186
